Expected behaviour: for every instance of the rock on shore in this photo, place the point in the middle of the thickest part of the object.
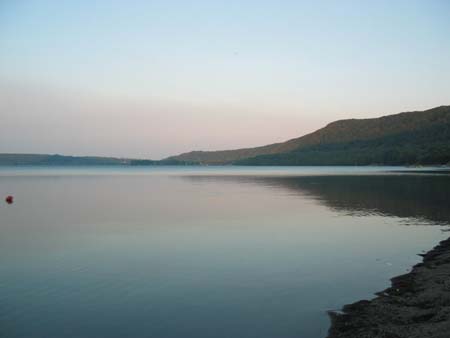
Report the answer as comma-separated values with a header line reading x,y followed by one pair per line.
x,y
417,305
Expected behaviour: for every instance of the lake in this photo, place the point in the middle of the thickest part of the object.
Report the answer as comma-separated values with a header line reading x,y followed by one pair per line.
x,y
170,252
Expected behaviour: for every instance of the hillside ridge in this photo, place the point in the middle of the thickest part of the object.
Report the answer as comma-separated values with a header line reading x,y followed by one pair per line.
x,y
336,132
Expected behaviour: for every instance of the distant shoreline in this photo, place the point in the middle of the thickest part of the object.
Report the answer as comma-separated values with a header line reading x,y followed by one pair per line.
x,y
417,305
443,171
56,160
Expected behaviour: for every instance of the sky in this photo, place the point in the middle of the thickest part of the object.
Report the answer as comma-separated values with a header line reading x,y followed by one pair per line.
x,y
150,79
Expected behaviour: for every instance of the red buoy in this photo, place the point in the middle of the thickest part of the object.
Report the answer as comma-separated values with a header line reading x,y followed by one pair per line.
x,y
9,199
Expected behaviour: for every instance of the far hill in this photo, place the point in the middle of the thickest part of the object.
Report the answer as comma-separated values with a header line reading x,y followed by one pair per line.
x,y
419,137
62,160
411,138
44,159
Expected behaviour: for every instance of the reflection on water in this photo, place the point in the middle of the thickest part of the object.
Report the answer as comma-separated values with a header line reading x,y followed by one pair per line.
x,y
425,197
115,255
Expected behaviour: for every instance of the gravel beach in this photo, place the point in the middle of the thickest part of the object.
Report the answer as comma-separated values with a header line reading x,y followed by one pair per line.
x,y
417,305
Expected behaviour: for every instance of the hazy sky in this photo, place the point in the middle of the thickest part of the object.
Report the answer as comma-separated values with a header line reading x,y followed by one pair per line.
x,y
155,78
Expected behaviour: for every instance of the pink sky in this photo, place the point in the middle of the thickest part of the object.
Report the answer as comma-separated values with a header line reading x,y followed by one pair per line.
x,y
152,79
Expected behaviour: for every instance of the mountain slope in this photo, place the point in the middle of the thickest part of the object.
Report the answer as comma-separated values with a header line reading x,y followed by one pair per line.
x,y
345,137
424,146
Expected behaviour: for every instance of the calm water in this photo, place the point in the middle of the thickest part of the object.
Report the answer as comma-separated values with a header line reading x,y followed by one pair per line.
x,y
205,252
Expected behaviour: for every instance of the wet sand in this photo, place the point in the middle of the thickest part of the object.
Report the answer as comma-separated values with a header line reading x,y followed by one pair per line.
x,y
417,305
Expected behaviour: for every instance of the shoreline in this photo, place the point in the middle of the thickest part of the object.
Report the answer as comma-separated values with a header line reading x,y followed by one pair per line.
x,y
417,305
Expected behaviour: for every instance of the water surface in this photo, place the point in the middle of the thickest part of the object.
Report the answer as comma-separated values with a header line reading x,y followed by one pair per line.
x,y
205,252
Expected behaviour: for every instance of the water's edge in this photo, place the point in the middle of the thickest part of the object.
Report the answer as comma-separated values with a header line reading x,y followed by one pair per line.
x,y
416,305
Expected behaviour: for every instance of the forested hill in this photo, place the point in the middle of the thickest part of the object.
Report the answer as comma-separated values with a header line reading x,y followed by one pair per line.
x,y
419,137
